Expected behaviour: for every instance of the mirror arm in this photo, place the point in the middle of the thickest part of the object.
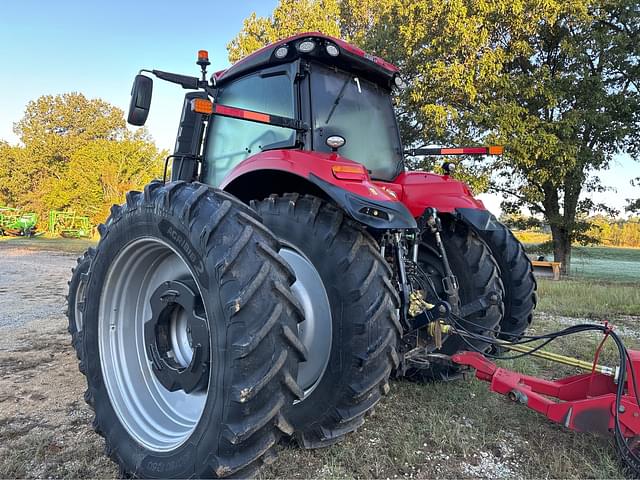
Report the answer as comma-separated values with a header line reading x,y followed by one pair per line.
x,y
185,81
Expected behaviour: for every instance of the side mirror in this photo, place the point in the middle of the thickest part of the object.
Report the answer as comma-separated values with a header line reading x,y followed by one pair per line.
x,y
140,100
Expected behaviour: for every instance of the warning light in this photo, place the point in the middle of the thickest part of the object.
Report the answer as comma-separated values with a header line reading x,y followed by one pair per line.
x,y
202,105
349,172
203,58
496,150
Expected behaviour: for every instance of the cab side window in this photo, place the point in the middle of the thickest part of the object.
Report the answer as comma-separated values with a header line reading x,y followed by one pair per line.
x,y
230,140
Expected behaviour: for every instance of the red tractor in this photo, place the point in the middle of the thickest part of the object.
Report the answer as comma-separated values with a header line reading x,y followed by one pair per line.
x,y
287,270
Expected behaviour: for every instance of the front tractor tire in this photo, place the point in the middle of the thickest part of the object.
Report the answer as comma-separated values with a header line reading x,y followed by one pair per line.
x,y
189,344
351,325
519,283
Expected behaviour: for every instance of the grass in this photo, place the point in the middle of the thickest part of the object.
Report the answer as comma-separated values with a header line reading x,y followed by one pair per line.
x,y
68,245
611,263
598,300
452,430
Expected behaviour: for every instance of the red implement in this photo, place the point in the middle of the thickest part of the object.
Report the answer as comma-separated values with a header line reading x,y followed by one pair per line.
x,y
585,402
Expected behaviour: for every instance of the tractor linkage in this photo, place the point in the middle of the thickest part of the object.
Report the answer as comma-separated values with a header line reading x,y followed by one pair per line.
x,y
605,400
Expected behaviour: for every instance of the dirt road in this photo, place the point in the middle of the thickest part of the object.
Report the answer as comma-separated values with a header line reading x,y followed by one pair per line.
x,y
45,426
33,283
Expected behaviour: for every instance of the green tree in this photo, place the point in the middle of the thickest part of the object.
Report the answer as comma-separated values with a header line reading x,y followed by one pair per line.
x,y
76,153
570,103
633,204
17,174
100,173
288,18
554,81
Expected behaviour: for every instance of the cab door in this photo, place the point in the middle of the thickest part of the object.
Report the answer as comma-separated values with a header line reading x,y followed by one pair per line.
x,y
229,141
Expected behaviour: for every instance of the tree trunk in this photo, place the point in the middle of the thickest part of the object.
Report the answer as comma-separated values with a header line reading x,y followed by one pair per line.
x,y
562,248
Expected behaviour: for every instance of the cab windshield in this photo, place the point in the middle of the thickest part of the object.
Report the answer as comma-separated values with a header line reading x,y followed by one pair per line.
x,y
362,113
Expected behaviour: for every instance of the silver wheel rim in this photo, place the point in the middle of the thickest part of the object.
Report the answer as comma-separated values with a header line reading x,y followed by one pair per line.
x,y
155,417
77,311
316,329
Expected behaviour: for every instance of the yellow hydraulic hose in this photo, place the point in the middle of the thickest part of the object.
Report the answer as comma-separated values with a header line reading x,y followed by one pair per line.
x,y
553,357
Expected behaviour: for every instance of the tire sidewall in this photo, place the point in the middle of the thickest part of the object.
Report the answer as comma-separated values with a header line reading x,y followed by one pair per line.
x,y
183,461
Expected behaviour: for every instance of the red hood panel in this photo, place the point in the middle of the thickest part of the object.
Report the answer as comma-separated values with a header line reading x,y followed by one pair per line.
x,y
419,190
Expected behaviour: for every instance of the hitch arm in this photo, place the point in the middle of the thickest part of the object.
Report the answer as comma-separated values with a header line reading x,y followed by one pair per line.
x,y
584,402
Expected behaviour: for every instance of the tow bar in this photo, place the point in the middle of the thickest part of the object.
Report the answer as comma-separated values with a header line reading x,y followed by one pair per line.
x,y
605,400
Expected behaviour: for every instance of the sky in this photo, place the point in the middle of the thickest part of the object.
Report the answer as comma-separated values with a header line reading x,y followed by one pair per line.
x,y
96,48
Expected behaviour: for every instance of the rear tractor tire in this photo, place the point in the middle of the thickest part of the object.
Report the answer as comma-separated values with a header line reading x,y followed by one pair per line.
x,y
351,322
76,298
189,345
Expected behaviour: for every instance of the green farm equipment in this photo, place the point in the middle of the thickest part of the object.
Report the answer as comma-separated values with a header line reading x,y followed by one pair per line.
x,y
68,224
13,222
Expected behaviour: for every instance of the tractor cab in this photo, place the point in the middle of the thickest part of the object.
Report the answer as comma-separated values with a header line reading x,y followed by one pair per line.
x,y
310,114
340,93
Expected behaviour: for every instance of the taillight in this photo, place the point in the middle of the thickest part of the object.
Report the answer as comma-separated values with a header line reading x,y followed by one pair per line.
x,y
349,172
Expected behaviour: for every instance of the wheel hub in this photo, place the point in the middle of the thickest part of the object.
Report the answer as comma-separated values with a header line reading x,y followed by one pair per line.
x,y
159,419
177,337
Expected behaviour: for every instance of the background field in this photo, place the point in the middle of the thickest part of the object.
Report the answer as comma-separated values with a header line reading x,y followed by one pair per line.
x,y
452,430
609,263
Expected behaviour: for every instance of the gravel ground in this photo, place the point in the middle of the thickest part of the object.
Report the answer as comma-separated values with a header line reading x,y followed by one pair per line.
x,y
433,431
33,283
45,425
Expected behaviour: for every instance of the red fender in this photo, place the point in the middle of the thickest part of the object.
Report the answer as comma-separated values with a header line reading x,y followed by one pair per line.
x,y
344,181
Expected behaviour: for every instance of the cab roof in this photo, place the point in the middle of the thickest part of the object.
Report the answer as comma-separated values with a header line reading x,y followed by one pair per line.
x,y
319,47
